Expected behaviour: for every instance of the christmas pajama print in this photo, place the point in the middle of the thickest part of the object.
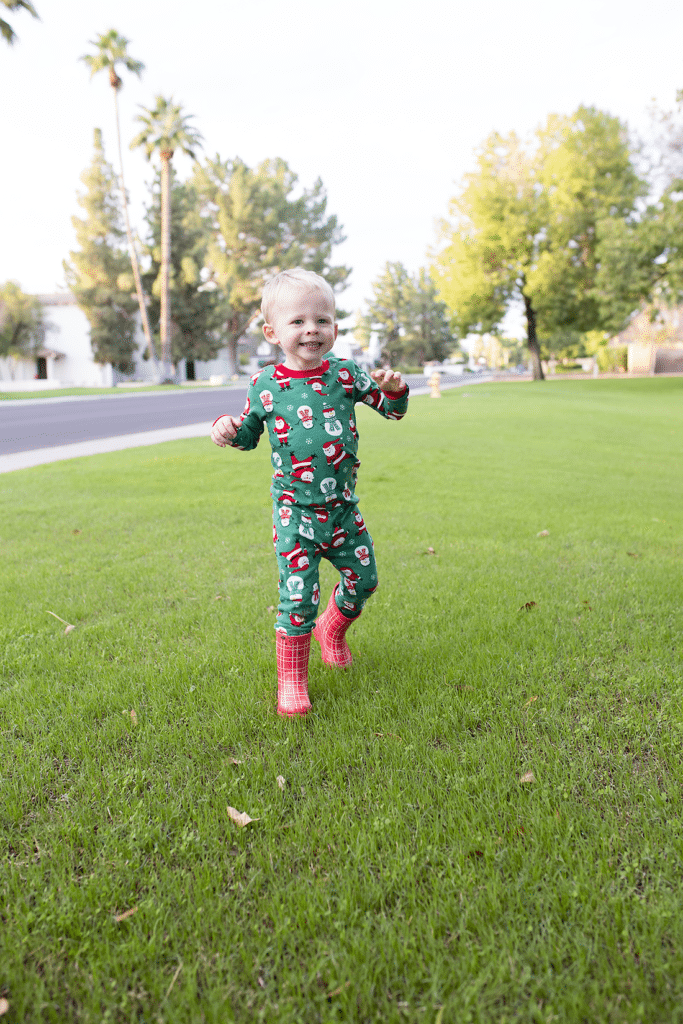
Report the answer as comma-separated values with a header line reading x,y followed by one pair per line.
x,y
310,417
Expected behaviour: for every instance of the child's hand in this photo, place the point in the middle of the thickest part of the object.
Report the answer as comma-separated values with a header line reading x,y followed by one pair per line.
x,y
224,430
388,380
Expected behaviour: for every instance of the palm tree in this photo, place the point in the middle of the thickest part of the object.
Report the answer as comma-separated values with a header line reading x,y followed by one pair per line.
x,y
112,50
166,129
6,30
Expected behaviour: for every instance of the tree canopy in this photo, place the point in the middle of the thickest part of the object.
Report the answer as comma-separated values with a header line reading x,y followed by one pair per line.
x,y
526,224
22,321
641,256
260,224
6,30
406,317
98,272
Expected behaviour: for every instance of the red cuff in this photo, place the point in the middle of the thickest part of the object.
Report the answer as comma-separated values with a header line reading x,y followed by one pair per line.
x,y
393,396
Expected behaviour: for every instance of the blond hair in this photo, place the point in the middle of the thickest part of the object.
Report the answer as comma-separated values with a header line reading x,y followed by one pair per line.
x,y
303,280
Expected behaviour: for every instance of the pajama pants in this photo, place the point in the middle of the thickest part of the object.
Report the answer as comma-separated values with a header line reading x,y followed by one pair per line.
x,y
302,535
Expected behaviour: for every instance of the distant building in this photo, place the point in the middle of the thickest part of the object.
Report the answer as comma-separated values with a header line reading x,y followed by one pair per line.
x,y
655,340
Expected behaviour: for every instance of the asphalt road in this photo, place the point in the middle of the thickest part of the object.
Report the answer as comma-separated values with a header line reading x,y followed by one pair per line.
x,y
30,424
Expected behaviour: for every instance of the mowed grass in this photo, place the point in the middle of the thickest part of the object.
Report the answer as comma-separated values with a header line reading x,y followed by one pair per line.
x,y
404,872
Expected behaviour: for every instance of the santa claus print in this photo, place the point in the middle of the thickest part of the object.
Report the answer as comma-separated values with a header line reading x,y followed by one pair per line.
x,y
317,386
338,537
335,454
352,427
282,378
287,497
297,557
296,619
360,524
285,514
345,378
375,399
282,428
302,469
321,513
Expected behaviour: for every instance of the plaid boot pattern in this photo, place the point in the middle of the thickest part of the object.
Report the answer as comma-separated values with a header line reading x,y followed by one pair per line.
x,y
292,673
329,631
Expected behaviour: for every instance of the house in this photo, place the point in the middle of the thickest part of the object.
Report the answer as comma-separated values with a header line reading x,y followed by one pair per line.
x,y
655,340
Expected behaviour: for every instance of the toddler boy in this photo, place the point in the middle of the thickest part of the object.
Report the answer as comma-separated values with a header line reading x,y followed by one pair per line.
x,y
307,403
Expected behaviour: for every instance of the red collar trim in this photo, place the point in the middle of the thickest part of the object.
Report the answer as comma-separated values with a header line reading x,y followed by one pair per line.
x,y
317,371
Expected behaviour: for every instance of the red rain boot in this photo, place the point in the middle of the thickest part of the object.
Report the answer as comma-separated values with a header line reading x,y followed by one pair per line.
x,y
329,631
292,673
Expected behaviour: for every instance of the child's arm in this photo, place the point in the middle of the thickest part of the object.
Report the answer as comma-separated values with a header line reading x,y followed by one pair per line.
x,y
243,431
389,381
385,391
224,430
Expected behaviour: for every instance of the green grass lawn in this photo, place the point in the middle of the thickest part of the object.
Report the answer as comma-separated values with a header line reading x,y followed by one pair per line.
x,y
404,872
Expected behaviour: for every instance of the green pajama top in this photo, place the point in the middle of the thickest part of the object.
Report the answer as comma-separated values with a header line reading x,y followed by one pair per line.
x,y
312,428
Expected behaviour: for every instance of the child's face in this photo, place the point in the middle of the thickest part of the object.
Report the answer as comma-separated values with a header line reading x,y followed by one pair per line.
x,y
303,326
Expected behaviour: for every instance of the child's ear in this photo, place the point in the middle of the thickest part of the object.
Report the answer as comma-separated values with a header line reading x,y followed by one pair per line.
x,y
269,334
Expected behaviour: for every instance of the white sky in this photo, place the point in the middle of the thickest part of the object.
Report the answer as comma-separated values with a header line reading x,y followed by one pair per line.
x,y
385,101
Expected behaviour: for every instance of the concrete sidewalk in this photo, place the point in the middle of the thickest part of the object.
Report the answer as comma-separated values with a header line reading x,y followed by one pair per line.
x,y
39,456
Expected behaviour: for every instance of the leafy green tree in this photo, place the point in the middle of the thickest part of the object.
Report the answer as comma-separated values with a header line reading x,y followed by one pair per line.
x,y
22,321
165,129
6,30
407,318
112,50
98,273
641,259
194,316
526,227
259,226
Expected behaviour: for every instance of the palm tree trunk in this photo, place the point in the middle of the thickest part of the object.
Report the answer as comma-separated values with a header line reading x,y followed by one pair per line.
x,y
165,313
133,254
532,340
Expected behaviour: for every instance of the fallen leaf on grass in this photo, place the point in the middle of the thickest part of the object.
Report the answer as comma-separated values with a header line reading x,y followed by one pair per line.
x,y
338,991
68,625
429,551
75,531
531,700
527,777
270,608
4,1006
528,606
633,554
543,533
133,716
240,818
393,735
218,597
281,781
125,914
234,760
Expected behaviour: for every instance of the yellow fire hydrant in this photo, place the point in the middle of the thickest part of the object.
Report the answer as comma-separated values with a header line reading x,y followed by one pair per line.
x,y
435,385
